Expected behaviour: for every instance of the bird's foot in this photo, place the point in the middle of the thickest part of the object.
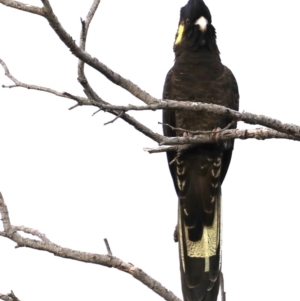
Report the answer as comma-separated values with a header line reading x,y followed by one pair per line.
x,y
186,134
216,134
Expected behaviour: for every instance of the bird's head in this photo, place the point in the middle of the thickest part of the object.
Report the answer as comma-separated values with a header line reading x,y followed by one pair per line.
x,y
195,30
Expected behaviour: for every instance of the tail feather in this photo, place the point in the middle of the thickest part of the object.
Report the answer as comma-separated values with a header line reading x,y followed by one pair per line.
x,y
200,261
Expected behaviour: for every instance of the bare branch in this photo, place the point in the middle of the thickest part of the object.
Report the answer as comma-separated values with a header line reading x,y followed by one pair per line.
x,y
91,61
74,107
104,260
79,99
22,6
112,121
182,143
84,31
9,297
136,91
4,215
197,132
13,296
217,110
259,134
107,247
114,77
93,99
280,130
33,232
5,297
97,101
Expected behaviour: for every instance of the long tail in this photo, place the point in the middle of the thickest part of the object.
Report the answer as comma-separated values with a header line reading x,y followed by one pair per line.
x,y
200,261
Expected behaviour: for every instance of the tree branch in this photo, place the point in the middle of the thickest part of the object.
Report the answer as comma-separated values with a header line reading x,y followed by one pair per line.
x,y
259,134
5,297
197,132
17,83
217,110
9,297
24,7
179,144
80,53
92,100
280,130
114,77
44,244
83,36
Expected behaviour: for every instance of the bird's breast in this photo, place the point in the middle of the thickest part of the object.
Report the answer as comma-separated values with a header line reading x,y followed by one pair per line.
x,y
201,82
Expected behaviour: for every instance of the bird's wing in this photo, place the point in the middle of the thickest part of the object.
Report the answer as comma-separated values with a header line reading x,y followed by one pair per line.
x,y
233,94
169,119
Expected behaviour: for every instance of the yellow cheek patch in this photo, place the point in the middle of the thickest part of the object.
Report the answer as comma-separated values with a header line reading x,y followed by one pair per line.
x,y
179,34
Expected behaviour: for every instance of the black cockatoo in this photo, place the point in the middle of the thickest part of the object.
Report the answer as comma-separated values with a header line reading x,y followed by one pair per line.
x,y
199,76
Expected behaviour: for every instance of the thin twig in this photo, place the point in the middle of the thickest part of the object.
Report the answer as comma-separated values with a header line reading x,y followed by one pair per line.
x,y
107,247
197,132
117,117
10,86
13,296
74,107
79,99
98,102
83,36
33,232
96,112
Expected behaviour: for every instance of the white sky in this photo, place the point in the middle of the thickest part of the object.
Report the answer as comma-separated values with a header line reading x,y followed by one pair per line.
x,y
66,174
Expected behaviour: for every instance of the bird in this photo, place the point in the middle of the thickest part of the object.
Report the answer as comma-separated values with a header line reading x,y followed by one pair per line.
x,y
198,75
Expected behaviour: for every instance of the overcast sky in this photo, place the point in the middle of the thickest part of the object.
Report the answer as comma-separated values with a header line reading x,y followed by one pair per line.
x,y
66,174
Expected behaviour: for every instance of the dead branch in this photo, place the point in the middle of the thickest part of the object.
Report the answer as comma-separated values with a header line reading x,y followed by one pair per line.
x,y
85,24
9,297
81,54
278,129
181,144
217,110
259,134
154,104
17,83
107,247
44,244
25,7
92,100
197,132
5,297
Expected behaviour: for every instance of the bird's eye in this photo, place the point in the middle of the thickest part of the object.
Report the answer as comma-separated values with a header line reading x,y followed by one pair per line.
x,y
187,21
